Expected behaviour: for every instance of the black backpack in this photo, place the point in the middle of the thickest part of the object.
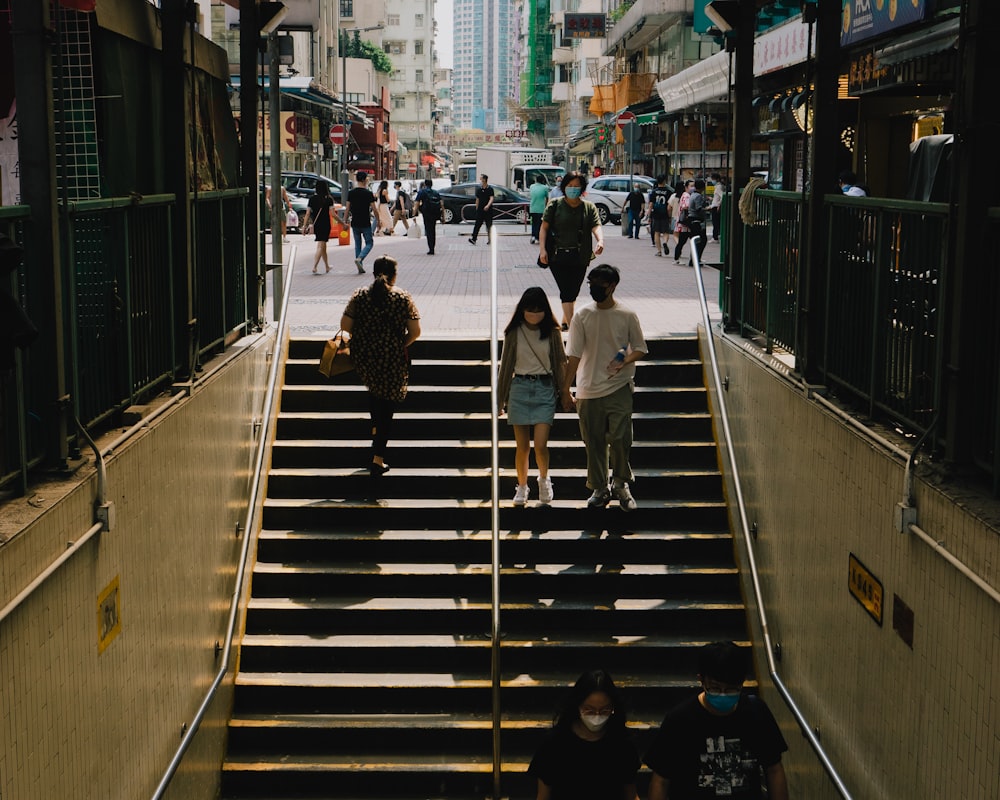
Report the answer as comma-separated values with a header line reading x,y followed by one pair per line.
x,y
432,204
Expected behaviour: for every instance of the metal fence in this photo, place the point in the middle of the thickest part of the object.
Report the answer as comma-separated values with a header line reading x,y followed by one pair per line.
x,y
768,302
122,295
886,267
985,400
886,270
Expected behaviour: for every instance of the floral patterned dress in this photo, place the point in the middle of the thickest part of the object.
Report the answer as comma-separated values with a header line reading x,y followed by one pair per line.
x,y
377,337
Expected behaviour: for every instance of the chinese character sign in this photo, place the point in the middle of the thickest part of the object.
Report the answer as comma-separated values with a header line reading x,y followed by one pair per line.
x,y
861,19
585,26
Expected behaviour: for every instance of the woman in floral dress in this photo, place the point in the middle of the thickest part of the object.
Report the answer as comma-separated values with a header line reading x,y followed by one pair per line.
x,y
383,323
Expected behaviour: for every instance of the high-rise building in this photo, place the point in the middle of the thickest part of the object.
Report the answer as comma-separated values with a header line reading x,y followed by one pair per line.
x,y
408,39
484,74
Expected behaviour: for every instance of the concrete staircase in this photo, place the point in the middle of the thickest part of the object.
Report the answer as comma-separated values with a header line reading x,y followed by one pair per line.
x,y
365,664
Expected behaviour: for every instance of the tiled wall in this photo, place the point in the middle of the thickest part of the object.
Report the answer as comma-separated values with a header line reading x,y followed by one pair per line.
x,y
77,722
897,721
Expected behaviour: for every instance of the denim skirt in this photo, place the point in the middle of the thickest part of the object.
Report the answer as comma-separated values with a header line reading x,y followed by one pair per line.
x,y
532,400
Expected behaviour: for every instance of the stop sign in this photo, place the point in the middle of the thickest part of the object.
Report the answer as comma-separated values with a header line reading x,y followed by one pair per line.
x,y
337,134
625,118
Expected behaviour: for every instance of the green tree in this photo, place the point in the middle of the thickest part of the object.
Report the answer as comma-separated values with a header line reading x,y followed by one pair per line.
x,y
355,48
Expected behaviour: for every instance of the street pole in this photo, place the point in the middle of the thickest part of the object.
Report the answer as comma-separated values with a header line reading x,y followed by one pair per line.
x,y
277,207
345,178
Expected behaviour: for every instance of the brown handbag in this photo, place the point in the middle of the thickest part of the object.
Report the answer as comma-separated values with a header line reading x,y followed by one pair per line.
x,y
336,358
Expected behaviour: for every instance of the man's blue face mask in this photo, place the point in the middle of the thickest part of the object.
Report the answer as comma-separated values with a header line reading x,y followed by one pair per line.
x,y
573,192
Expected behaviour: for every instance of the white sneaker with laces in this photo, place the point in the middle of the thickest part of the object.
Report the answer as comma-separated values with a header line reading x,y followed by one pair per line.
x,y
624,497
545,490
521,495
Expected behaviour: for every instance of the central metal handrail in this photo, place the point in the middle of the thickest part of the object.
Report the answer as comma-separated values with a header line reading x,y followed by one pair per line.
x,y
249,528
495,517
723,416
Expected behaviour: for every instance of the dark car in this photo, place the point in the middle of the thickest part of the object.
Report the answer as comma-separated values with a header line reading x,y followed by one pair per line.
x,y
304,184
458,204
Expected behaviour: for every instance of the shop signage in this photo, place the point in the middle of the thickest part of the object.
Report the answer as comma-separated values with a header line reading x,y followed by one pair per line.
x,y
862,19
783,46
864,587
866,74
584,26
295,132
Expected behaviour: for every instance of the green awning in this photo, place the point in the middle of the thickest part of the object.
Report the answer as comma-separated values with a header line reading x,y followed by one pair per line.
x,y
648,119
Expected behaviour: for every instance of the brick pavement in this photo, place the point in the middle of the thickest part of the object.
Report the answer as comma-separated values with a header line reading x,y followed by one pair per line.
x,y
451,288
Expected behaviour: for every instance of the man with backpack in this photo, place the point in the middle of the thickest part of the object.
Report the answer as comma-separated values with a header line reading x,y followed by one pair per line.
x,y
401,207
429,205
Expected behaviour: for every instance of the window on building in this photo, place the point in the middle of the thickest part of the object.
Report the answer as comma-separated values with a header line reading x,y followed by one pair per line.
x,y
419,76
418,47
399,102
346,9
395,48
393,19
419,20
398,75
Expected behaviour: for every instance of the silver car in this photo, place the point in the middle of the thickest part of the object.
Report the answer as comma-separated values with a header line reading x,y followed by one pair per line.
x,y
608,193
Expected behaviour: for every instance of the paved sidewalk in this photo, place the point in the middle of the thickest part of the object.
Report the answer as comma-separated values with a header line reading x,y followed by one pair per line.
x,y
452,288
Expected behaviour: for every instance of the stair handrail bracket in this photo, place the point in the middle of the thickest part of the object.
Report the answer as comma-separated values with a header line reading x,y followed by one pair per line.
x,y
266,434
723,415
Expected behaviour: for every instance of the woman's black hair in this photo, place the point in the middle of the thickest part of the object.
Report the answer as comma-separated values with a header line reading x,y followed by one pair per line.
x,y
533,298
384,270
596,680
383,186
571,176
322,188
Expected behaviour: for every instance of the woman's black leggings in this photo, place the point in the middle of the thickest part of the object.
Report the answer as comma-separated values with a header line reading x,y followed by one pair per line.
x,y
569,270
682,237
381,411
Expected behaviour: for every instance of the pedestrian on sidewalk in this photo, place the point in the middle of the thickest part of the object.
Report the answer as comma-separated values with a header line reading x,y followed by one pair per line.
x,y
384,213
429,206
588,753
681,228
635,202
715,208
659,215
320,214
564,242
401,207
484,209
361,210
697,212
383,322
718,743
539,198
531,372
605,341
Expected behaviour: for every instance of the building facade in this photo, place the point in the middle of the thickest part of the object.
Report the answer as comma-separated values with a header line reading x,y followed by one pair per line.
x,y
484,76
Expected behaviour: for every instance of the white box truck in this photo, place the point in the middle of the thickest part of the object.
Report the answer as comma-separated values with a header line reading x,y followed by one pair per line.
x,y
517,167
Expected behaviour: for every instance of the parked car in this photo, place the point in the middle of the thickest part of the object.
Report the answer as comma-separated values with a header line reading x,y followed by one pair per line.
x,y
507,203
304,184
608,193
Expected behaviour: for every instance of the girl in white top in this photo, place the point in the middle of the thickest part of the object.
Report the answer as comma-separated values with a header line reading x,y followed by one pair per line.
x,y
531,373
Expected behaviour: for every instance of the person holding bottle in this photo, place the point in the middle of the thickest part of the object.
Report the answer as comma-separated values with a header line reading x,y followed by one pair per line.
x,y
605,341
588,754
531,372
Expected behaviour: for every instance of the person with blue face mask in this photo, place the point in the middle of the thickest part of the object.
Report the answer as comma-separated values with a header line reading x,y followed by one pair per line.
x,y
564,240
721,742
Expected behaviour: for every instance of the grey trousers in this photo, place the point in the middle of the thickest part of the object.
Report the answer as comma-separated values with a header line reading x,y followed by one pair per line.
x,y
606,428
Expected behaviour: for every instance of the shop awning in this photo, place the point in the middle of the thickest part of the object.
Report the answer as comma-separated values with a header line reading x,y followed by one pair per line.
x,y
924,42
303,87
699,83
648,119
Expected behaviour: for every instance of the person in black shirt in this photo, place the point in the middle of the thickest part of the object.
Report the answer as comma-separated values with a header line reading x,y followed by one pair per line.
x,y
659,215
719,742
361,207
697,217
429,207
635,201
588,755
484,209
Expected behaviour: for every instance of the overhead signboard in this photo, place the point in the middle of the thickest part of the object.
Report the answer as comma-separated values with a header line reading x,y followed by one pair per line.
x,y
585,26
862,19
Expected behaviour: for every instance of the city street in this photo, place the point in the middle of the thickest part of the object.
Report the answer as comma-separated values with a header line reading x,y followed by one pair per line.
x,y
451,288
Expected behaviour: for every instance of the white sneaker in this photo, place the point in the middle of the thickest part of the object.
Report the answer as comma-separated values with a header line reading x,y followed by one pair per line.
x,y
545,490
521,495
624,497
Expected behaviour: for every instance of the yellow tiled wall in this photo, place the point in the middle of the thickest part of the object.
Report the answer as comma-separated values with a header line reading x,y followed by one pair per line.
x,y
898,722
79,723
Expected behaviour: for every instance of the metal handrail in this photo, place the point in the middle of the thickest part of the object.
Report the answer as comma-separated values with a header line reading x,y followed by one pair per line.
x,y
249,530
723,415
495,517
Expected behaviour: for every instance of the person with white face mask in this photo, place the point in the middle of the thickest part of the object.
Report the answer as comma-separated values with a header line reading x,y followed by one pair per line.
x,y
588,755
531,372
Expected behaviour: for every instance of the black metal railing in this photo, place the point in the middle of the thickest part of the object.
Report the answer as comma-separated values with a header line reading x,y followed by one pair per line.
x,y
985,382
121,292
886,267
768,302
